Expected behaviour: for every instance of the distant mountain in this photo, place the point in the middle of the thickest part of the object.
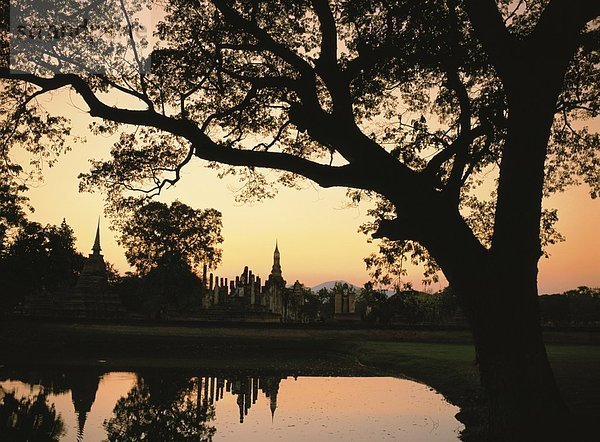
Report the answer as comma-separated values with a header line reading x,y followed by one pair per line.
x,y
329,285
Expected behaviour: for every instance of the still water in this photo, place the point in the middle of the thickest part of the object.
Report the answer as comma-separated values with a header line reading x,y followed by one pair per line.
x,y
172,406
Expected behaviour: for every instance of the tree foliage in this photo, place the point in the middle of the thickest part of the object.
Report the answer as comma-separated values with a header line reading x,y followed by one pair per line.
x,y
286,84
407,306
580,306
156,235
13,203
320,306
294,85
39,259
370,302
166,244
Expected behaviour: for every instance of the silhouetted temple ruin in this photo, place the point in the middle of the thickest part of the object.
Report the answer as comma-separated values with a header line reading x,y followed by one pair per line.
x,y
345,305
91,297
247,299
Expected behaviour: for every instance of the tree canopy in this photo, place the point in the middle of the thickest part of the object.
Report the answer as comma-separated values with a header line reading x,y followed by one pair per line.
x,y
39,259
30,418
13,203
377,96
155,234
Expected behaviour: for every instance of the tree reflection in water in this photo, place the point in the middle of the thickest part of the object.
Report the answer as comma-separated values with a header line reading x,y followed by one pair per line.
x,y
161,410
29,419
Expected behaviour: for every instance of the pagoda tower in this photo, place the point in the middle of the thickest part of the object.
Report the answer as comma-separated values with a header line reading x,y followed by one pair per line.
x,y
275,284
92,297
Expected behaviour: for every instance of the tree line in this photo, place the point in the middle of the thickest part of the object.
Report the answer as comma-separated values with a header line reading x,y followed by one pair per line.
x,y
164,243
38,260
576,307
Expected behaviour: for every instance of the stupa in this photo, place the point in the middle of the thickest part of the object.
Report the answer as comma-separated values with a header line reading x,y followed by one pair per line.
x,y
92,297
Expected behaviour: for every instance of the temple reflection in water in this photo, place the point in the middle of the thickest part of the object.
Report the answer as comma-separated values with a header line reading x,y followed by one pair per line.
x,y
153,393
83,386
181,405
245,388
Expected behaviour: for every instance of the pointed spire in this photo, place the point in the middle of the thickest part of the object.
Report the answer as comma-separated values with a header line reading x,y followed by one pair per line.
x,y
276,270
273,406
81,418
96,249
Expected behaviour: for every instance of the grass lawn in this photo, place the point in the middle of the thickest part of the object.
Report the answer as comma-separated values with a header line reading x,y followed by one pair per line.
x,y
577,372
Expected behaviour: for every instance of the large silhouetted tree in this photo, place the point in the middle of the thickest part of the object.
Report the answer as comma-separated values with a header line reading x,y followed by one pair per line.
x,y
166,244
408,102
156,234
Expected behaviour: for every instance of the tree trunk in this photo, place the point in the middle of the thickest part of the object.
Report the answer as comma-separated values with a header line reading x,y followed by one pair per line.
x,y
499,298
518,383
524,401
498,287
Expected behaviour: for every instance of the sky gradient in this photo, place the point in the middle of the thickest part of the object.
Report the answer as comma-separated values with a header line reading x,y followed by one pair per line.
x,y
316,231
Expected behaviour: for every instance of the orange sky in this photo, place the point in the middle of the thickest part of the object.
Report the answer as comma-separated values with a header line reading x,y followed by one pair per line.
x,y
317,235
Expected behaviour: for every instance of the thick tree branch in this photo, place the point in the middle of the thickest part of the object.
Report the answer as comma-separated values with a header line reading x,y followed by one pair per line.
x,y
325,176
204,146
367,60
286,54
561,22
434,165
129,91
329,37
265,82
327,63
460,158
490,29
250,95
548,47
397,229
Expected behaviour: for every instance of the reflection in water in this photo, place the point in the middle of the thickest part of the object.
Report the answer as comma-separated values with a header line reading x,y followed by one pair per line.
x,y
162,411
168,406
83,386
245,388
28,418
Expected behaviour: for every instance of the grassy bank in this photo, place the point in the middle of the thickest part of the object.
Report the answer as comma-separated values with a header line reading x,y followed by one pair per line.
x,y
444,360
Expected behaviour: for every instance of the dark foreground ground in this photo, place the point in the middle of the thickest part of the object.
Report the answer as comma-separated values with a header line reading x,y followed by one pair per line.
x,y
443,359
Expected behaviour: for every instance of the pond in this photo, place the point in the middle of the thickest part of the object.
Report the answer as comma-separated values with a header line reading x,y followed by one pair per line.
x,y
178,406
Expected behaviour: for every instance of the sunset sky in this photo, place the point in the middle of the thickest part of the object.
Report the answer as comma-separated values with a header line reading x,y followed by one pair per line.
x,y
316,231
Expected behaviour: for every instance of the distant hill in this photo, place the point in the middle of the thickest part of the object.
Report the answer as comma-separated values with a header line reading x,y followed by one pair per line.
x,y
329,285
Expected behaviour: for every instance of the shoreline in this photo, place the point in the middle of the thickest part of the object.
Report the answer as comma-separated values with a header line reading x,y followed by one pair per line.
x,y
441,359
